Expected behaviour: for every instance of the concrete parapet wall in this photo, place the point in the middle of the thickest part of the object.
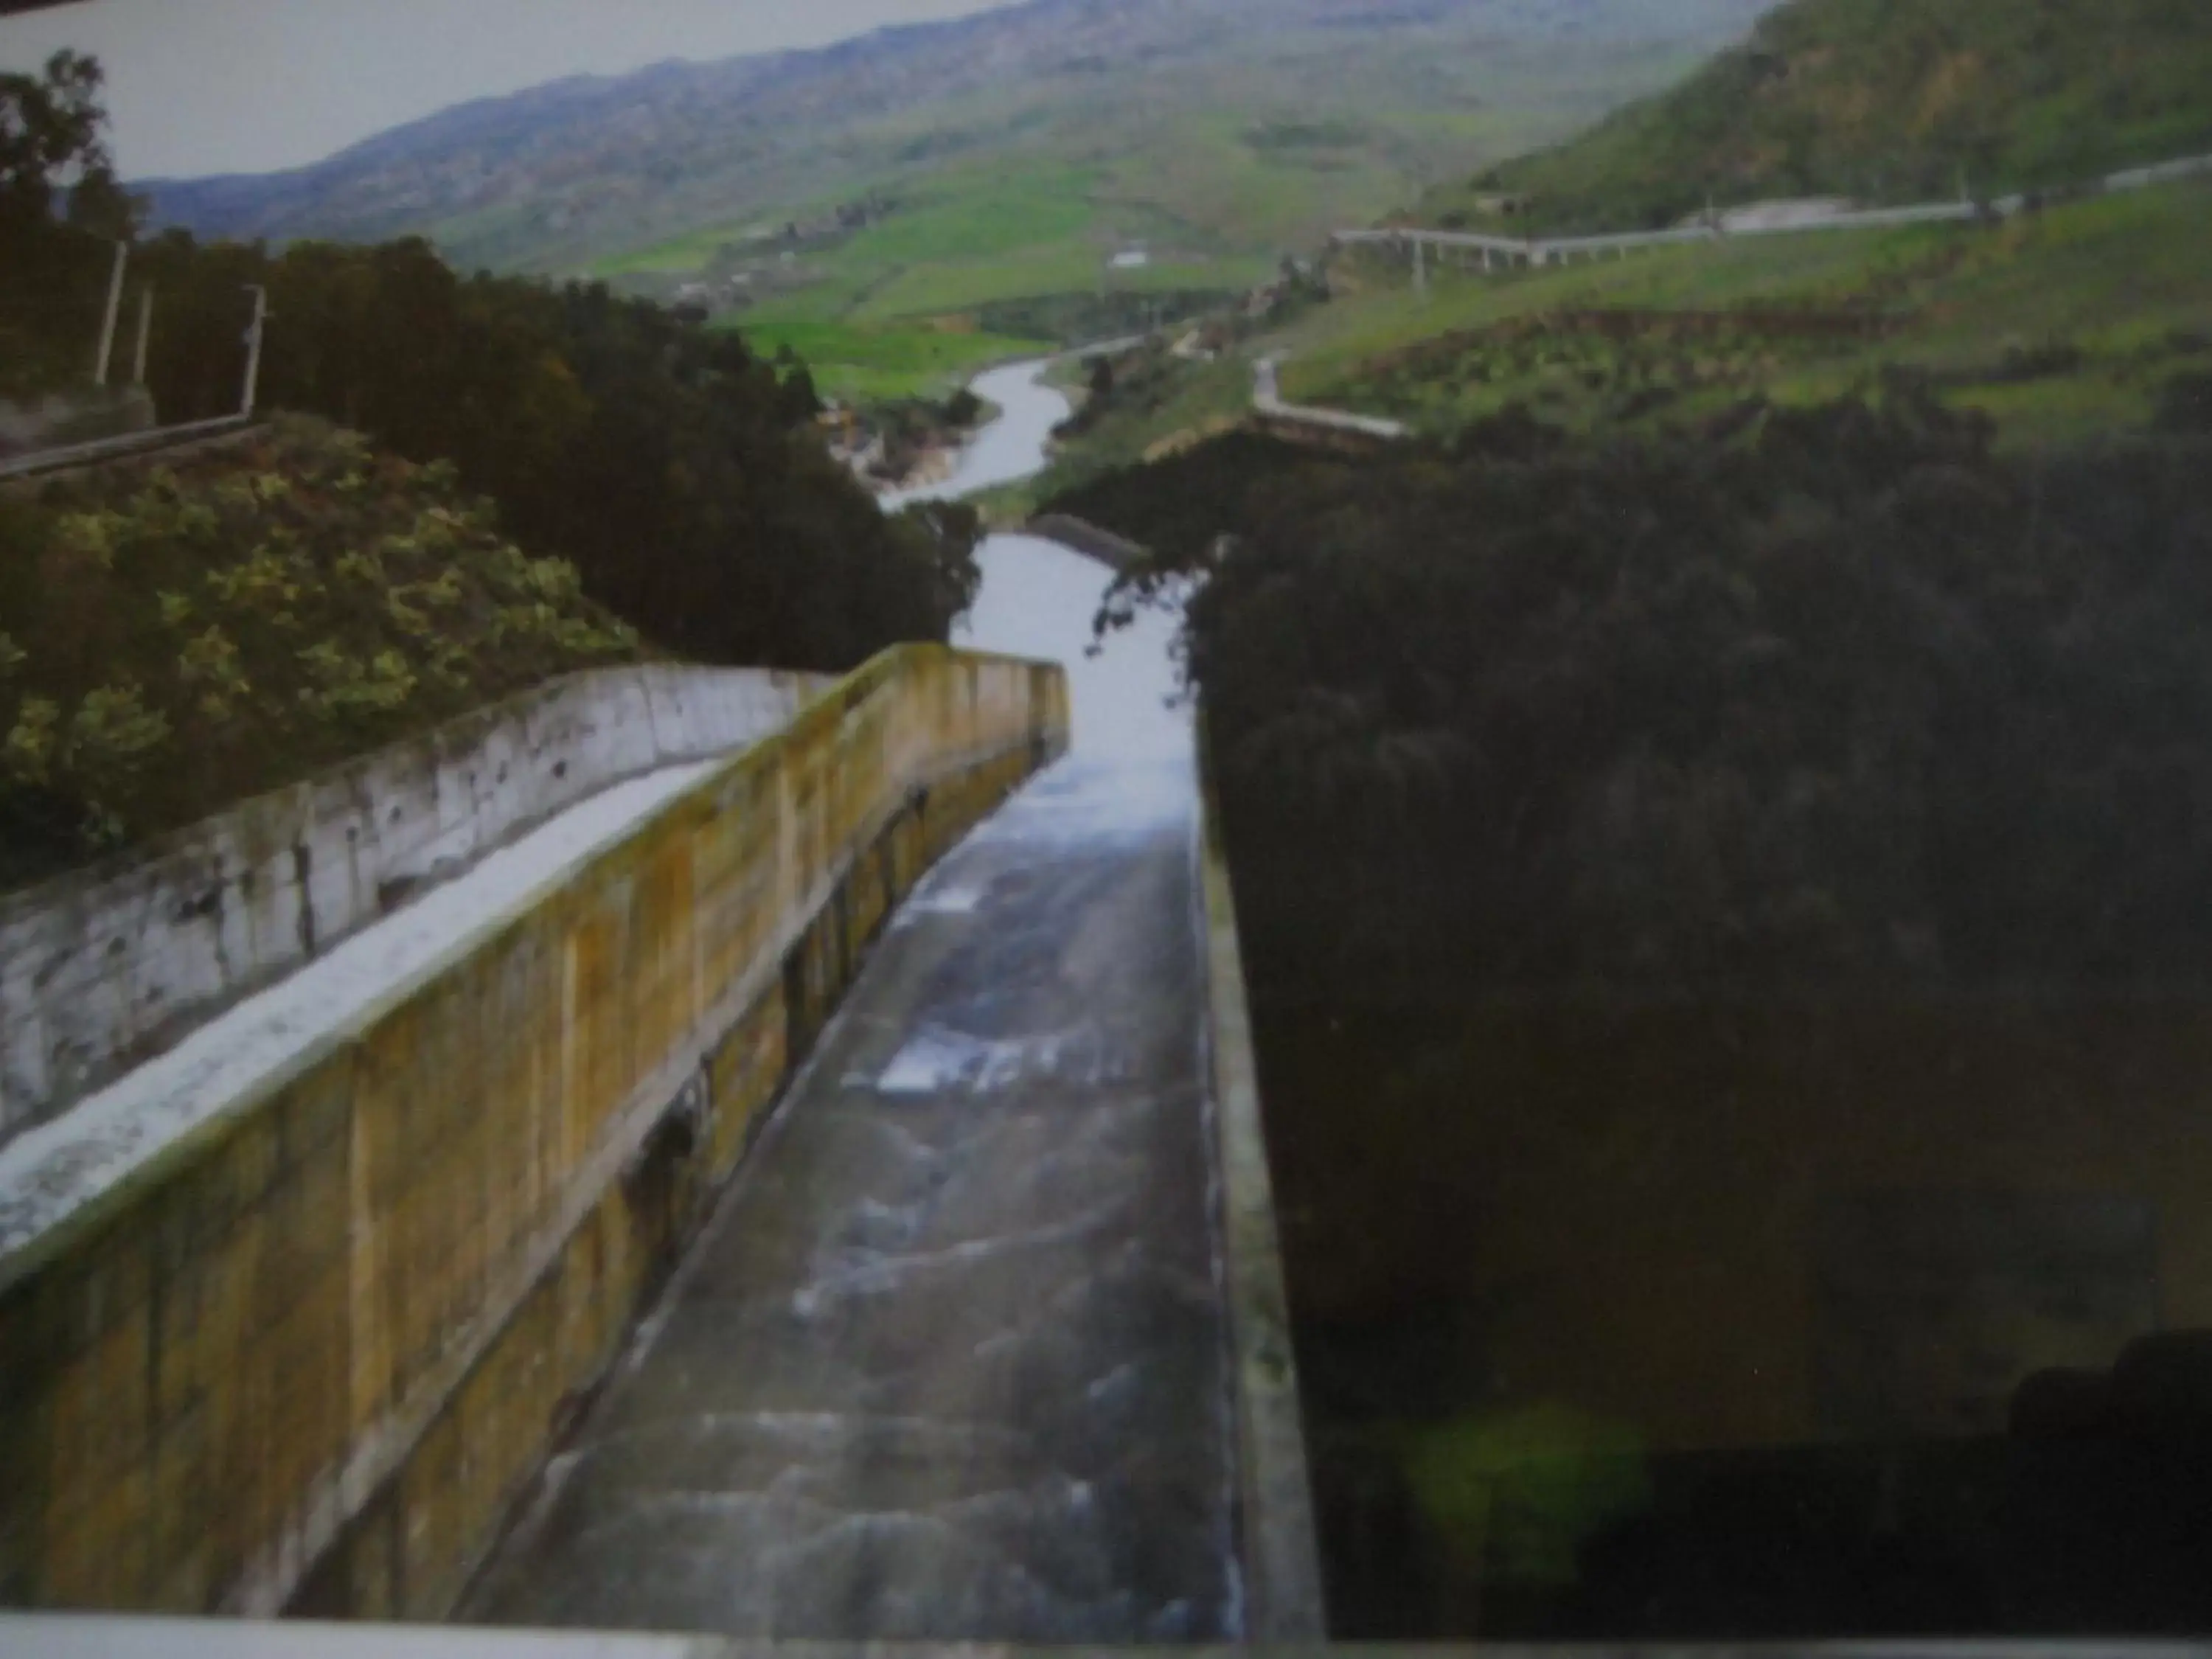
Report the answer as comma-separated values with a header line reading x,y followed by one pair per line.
x,y
1325,428
1117,553
85,415
103,968
1278,1541
307,1358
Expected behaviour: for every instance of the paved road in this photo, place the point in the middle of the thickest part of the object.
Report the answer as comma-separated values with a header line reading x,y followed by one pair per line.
x,y
1268,400
950,1363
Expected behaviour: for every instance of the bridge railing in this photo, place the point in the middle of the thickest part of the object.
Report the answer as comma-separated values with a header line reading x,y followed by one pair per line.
x,y
307,1354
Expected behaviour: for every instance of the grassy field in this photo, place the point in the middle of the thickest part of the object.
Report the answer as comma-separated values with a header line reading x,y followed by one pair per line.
x,y
869,363
897,309
892,309
2060,326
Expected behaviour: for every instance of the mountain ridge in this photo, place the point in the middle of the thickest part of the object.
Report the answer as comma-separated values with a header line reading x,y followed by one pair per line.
x,y
548,176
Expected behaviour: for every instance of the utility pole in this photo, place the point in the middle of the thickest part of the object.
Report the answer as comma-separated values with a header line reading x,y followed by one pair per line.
x,y
1421,270
114,306
254,334
145,333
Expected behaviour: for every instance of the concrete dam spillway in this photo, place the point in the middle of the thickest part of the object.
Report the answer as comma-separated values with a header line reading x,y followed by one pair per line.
x,y
819,1197
952,1362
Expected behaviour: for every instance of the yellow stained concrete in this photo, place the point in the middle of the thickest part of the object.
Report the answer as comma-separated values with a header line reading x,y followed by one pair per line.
x,y
311,1357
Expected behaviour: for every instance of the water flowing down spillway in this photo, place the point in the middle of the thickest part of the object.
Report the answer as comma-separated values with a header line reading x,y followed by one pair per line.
x,y
949,1361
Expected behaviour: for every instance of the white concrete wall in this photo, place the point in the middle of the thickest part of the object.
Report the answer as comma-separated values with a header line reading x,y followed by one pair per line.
x,y
105,967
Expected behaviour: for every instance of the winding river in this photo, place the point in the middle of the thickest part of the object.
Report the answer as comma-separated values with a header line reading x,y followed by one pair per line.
x,y
1038,599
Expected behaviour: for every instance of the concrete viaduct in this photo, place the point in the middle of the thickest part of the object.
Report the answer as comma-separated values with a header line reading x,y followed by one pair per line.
x,y
1473,250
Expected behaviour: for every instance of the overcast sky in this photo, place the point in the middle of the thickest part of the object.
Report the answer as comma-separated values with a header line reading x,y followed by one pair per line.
x,y
246,86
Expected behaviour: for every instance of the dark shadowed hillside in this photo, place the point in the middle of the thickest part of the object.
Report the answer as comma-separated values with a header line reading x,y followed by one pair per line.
x,y
1826,697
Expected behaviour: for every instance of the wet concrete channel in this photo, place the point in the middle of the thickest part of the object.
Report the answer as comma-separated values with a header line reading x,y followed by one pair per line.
x,y
949,1363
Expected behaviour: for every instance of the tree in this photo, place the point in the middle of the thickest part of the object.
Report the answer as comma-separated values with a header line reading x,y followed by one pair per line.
x,y
681,474
1826,697
51,140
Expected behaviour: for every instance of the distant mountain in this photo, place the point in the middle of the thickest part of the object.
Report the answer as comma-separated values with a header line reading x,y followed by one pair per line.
x,y
1890,100
557,176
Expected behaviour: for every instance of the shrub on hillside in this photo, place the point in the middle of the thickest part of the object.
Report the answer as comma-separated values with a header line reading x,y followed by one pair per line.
x,y
180,637
2185,403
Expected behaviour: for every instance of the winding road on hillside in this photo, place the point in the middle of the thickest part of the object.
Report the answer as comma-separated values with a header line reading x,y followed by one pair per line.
x,y
1267,403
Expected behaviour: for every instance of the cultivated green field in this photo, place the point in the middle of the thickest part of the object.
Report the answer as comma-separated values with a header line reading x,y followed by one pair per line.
x,y
864,363
891,309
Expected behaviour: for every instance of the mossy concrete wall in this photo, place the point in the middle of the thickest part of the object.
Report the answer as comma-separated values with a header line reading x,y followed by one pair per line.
x,y
1278,1544
103,968
308,1358
1117,553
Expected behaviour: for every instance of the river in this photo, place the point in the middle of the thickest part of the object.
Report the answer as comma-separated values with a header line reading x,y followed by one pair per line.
x,y
1011,447
1038,598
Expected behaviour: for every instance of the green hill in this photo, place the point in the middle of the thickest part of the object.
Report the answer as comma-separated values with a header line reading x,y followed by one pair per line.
x,y
1886,101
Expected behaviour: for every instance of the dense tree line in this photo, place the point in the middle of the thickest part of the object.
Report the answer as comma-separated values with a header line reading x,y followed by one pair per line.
x,y
1634,835
680,473
1832,697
